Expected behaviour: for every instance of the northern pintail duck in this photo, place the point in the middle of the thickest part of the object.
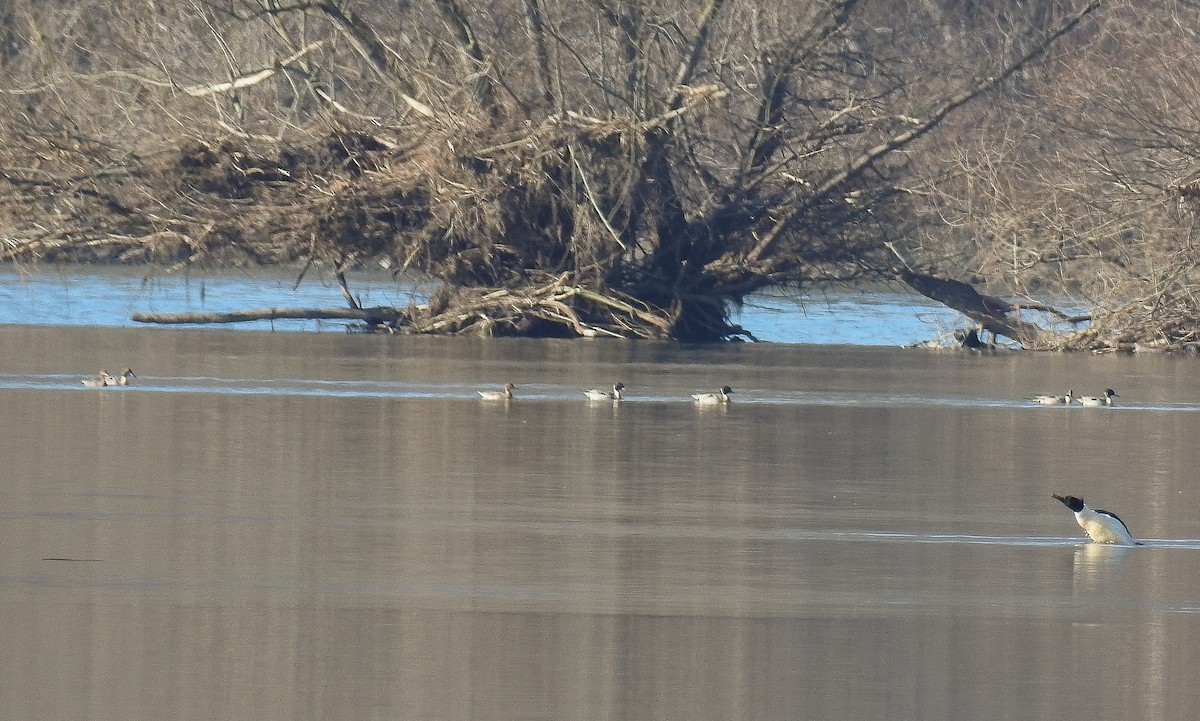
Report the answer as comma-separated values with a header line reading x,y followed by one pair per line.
x,y
721,396
123,379
596,394
1104,400
503,395
1048,400
102,379
1100,526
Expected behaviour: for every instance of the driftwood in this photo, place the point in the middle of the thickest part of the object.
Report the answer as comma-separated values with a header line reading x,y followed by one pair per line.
x,y
560,307
993,314
380,314
554,308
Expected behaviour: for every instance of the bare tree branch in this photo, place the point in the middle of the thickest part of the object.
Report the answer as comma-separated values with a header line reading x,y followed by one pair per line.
x,y
865,160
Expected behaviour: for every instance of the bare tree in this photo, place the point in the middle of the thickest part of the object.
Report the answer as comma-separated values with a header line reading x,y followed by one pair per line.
x,y
1089,193
621,167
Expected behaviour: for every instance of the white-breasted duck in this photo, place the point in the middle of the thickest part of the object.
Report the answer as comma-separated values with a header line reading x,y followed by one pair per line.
x,y
1051,400
1100,526
1104,400
504,395
595,394
721,396
100,380
123,379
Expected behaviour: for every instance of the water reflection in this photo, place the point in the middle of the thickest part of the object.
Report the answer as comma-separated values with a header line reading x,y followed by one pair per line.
x,y
1098,565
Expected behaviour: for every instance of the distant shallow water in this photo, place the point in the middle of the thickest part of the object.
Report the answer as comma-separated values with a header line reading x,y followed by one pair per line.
x,y
107,297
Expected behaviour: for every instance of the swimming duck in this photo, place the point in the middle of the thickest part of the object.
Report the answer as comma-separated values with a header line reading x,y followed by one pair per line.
x,y
721,396
595,394
121,380
1104,400
504,395
1048,400
102,379
1100,526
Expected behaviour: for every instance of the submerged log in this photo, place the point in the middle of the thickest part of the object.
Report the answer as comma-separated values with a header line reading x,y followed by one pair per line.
x,y
379,314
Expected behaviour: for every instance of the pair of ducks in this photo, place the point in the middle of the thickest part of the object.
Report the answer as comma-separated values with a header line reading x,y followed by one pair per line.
x,y
592,394
1070,397
721,396
104,379
596,394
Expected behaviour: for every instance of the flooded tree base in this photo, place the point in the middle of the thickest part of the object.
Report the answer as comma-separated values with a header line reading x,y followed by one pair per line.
x,y
235,204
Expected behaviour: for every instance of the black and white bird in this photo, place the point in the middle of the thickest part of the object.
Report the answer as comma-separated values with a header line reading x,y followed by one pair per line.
x,y
1100,526
595,394
710,399
1094,401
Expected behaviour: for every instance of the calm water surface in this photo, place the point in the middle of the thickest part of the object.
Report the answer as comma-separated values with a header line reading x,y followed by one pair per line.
x,y
330,526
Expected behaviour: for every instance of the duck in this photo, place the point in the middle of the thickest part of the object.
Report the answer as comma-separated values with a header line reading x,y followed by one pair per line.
x,y
123,379
1104,400
721,396
504,395
595,394
1051,400
102,379
1100,526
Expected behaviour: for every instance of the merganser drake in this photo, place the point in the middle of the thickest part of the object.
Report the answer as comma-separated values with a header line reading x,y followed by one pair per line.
x,y
596,394
1100,526
1048,400
102,379
504,395
721,396
1104,400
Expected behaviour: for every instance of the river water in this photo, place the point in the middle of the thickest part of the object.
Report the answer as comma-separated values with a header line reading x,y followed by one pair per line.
x,y
333,526
108,296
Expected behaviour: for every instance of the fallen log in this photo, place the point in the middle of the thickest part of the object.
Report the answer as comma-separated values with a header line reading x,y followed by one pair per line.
x,y
994,314
378,314
561,309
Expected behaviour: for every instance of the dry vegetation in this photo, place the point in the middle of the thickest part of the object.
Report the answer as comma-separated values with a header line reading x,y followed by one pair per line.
x,y
624,167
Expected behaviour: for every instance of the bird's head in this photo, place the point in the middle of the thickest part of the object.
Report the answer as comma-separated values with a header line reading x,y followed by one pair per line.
x,y
1072,502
